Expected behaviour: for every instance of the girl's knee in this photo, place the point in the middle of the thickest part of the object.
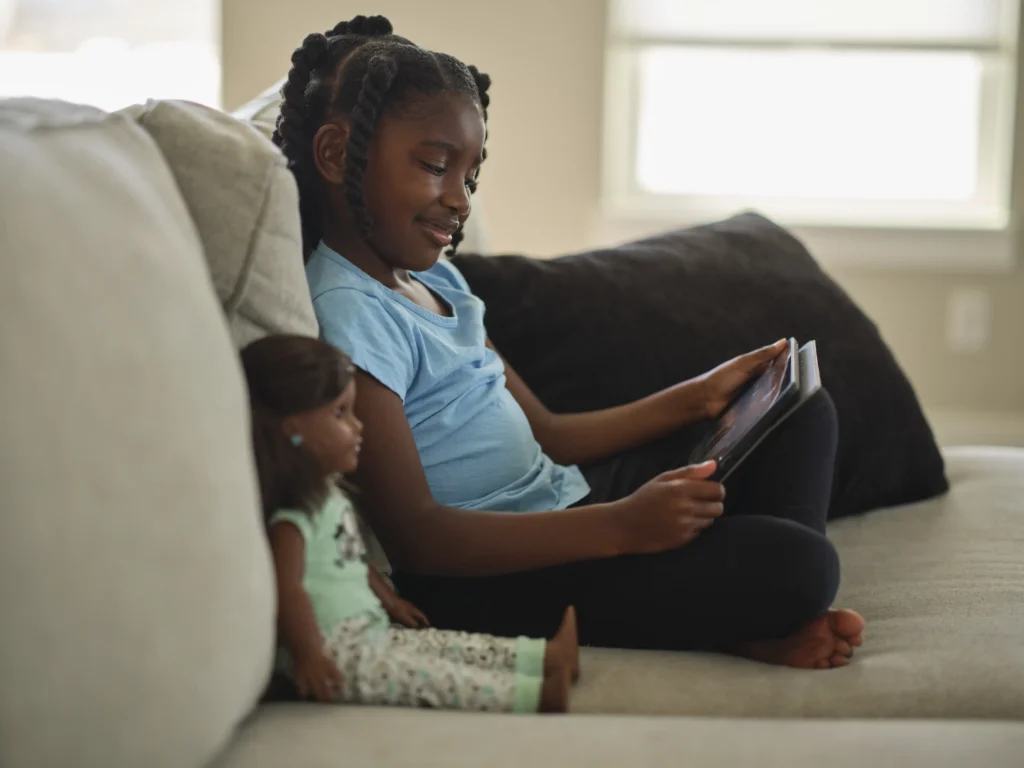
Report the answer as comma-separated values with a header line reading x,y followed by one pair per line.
x,y
817,421
816,573
799,565
822,408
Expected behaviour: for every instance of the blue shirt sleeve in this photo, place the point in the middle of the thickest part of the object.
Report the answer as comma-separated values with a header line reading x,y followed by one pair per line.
x,y
360,326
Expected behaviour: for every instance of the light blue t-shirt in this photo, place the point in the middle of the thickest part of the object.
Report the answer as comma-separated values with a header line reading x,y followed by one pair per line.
x,y
474,441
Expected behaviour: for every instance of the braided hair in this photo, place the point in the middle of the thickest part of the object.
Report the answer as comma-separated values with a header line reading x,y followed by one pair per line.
x,y
359,69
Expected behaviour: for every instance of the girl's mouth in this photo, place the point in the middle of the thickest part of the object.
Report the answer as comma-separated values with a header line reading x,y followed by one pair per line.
x,y
438,232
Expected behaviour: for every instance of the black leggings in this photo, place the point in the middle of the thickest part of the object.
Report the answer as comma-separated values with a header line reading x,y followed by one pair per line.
x,y
762,570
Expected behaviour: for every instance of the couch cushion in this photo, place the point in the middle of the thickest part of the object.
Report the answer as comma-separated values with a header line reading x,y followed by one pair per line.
x,y
314,736
245,206
136,592
607,327
941,585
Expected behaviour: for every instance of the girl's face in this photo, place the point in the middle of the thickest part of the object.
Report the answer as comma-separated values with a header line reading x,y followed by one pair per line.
x,y
332,433
420,166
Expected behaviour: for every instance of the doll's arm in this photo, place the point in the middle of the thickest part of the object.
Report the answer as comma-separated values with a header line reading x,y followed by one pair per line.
x,y
401,611
296,622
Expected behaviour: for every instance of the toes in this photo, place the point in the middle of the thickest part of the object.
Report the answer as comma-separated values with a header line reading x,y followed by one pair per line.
x,y
846,623
838,661
857,640
843,648
822,664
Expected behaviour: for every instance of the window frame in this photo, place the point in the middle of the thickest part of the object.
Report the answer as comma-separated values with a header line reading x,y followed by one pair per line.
x,y
945,235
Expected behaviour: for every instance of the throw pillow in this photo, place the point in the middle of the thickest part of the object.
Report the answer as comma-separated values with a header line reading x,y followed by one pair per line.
x,y
602,328
245,207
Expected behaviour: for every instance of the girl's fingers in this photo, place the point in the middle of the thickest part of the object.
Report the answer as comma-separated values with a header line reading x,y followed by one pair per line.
x,y
691,472
708,511
769,353
702,490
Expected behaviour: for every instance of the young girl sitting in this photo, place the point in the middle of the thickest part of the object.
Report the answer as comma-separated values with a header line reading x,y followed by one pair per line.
x,y
332,608
496,513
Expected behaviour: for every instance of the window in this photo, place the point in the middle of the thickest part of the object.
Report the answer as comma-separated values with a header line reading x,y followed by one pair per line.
x,y
110,53
827,113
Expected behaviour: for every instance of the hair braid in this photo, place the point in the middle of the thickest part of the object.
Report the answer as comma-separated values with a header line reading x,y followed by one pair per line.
x,y
295,130
380,73
483,83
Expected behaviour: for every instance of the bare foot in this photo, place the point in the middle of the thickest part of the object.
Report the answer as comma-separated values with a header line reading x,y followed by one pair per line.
x,y
564,648
554,693
825,643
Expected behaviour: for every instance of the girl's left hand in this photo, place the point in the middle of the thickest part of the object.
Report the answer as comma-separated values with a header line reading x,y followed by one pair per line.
x,y
405,613
719,386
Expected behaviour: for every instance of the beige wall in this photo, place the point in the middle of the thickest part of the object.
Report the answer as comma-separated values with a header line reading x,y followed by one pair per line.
x,y
542,175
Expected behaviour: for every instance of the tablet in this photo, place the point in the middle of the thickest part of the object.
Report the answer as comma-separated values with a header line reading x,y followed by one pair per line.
x,y
760,406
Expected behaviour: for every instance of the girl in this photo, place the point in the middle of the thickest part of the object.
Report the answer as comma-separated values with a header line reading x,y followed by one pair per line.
x,y
471,484
332,609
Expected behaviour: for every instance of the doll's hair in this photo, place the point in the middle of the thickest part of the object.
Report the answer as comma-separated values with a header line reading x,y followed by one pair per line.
x,y
288,375
359,70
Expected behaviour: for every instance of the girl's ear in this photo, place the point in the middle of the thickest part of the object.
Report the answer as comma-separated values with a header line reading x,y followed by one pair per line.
x,y
329,151
292,429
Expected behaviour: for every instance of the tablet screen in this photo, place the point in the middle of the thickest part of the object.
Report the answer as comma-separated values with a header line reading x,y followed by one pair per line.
x,y
752,405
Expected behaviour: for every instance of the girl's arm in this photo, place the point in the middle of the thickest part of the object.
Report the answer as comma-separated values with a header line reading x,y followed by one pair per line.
x,y
422,536
583,438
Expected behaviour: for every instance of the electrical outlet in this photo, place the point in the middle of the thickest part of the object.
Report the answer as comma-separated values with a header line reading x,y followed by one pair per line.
x,y
969,319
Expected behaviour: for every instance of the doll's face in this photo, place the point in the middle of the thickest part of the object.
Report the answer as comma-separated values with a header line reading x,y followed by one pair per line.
x,y
332,433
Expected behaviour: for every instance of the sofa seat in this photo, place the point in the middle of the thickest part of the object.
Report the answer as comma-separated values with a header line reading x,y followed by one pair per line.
x,y
941,585
312,736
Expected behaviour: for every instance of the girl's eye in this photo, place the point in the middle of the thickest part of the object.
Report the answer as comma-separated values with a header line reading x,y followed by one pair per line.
x,y
339,414
437,170
471,185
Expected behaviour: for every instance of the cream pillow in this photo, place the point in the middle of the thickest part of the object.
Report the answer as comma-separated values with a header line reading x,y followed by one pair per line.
x,y
136,590
245,205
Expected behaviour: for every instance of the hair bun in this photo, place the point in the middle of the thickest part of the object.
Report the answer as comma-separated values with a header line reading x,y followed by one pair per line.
x,y
311,53
367,26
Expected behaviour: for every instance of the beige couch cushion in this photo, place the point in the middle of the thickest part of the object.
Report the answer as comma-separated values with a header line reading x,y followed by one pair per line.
x,y
941,585
262,114
313,736
136,598
245,205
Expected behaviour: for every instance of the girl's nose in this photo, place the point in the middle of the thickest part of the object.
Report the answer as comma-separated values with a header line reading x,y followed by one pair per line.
x,y
456,198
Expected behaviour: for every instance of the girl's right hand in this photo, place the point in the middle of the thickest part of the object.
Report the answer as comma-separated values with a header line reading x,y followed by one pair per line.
x,y
669,511
316,674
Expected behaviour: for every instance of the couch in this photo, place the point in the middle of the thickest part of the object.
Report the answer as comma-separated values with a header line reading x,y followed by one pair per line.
x,y
137,251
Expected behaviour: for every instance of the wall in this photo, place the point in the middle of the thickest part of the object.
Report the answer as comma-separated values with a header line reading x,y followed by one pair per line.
x,y
541,179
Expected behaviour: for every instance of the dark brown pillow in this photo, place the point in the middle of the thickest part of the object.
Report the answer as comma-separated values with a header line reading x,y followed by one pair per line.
x,y
606,327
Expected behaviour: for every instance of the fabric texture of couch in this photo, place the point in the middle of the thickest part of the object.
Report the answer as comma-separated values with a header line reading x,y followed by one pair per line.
x,y
136,590
135,585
